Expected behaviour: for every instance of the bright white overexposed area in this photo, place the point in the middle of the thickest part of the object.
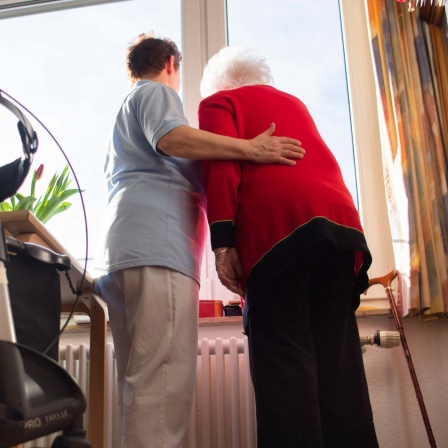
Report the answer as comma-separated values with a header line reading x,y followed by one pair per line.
x,y
302,43
67,67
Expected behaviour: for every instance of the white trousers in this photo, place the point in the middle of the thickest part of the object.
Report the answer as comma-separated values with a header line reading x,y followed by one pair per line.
x,y
153,314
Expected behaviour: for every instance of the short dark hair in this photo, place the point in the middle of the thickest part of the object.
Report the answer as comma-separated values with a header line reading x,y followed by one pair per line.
x,y
148,55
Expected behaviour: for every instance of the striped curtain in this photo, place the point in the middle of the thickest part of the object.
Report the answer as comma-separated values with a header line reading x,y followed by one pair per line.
x,y
410,57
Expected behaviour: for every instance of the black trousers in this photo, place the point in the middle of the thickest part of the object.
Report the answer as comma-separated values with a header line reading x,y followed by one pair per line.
x,y
306,360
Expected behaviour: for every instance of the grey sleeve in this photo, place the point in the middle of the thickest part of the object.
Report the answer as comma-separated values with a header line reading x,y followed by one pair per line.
x,y
159,110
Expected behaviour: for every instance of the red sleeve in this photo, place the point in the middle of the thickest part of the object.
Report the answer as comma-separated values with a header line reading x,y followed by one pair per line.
x,y
220,178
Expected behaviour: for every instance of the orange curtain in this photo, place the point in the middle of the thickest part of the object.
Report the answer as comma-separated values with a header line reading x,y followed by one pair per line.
x,y
411,63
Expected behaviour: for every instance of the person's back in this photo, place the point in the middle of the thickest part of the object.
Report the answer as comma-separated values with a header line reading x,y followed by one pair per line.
x,y
312,193
159,196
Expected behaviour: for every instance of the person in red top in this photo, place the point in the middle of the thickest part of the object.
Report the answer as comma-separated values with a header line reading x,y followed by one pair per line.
x,y
291,241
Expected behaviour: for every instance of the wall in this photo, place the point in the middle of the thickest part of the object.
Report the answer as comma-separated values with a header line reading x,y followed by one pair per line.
x,y
397,414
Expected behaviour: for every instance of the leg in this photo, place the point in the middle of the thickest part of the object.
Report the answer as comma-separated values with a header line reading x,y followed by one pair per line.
x,y
306,359
344,403
155,329
110,288
283,364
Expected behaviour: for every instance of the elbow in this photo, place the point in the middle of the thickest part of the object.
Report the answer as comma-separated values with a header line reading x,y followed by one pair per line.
x,y
164,145
173,141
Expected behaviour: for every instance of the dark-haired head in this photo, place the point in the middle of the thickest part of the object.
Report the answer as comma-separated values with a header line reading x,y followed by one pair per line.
x,y
147,56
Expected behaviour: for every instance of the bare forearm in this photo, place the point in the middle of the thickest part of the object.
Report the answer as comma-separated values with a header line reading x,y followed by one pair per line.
x,y
190,143
229,269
